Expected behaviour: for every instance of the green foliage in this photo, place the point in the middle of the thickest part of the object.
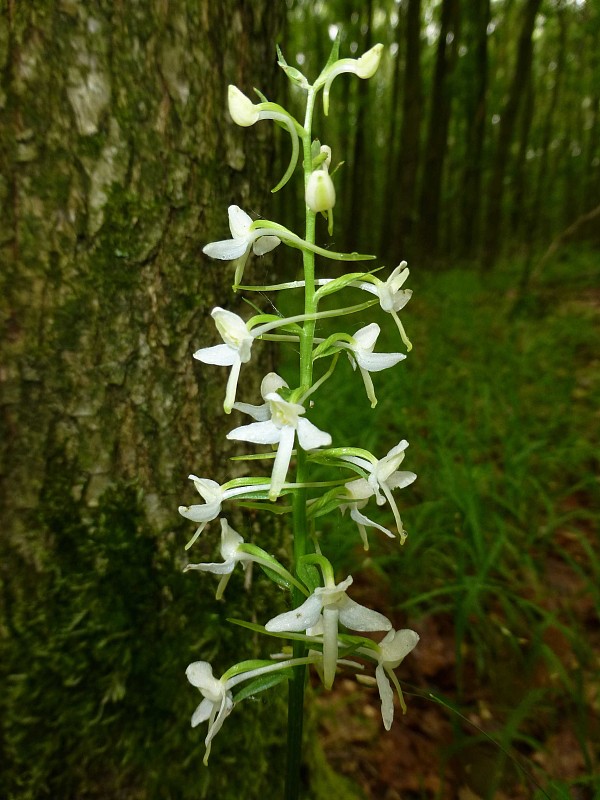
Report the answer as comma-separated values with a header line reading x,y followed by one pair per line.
x,y
506,485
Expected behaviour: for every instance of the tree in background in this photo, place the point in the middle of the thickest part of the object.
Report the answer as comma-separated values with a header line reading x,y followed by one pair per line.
x,y
112,164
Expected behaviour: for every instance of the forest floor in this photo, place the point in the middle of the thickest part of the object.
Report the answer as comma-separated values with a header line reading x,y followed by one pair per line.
x,y
503,702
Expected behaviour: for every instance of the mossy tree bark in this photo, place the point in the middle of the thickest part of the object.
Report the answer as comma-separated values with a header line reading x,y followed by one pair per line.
x,y
118,164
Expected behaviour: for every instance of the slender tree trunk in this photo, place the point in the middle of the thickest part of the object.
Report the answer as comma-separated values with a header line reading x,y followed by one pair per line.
x,y
538,217
437,135
476,118
508,119
412,106
120,162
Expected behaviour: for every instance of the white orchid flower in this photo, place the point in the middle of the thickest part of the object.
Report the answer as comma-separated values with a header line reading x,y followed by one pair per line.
x,y
235,351
360,352
231,554
279,422
217,701
359,492
246,235
329,605
235,551
262,236
246,113
365,67
214,494
390,652
392,298
383,477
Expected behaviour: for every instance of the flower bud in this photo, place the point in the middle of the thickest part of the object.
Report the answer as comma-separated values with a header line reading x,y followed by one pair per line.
x,y
243,111
320,191
367,64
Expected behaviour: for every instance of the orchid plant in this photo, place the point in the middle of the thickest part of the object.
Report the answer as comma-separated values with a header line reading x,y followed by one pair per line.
x,y
320,607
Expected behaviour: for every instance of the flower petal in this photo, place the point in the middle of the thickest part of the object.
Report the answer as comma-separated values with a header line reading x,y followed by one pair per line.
x,y
257,433
400,480
218,568
299,619
310,437
386,694
360,519
202,512
200,675
202,713
396,645
361,618
264,244
375,362
239,222
226,249
220,354
365,338
282,461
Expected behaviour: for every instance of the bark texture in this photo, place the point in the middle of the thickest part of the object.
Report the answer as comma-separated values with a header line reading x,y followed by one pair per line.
x,y
118,164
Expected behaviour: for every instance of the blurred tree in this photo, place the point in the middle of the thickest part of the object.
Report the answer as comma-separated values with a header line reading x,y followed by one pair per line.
x,y
508,119
118,164
439,120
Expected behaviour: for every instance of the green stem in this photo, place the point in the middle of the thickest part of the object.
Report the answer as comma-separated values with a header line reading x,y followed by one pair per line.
x,y
300,527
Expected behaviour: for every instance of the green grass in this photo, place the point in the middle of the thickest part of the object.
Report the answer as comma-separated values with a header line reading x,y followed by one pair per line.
x,y
500,413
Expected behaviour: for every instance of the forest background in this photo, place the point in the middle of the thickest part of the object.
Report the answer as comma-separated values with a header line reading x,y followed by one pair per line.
x,y
474,154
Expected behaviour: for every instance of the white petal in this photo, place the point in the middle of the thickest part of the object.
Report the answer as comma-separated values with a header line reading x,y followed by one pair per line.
x,y
260,413
386,694
330,645
301,618
401,298
210,490
231,388
360,519
202,713
226,249
202,512
256,433
265,244
239,222
365,338
375,362
310,437
395,648
282,461
399,480
224,711
221,354
361,618
200,674
216,568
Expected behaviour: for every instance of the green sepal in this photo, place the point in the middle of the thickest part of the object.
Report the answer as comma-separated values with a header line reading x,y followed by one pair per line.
x,y
325,504
262,683
333,55
262,319
299,637
328,348
293,74
278,579
235,482
309,575
245,666
274,508
339,283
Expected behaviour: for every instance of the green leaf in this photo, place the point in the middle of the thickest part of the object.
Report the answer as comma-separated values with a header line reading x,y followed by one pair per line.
x,y
245,666
262,683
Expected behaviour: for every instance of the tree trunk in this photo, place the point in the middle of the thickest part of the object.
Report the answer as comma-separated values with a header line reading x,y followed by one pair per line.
x,y
437,135
119,162
479,17
508,119
410,132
